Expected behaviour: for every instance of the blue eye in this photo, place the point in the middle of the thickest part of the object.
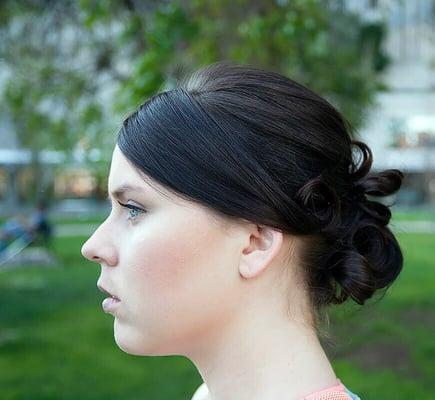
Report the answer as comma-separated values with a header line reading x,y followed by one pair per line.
x,y
133,211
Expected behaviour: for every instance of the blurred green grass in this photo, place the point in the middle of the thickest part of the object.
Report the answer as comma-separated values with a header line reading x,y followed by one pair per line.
x,y
386,349
404,214
56,343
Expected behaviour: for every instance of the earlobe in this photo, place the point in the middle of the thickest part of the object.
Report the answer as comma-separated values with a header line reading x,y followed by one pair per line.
x,y
264,245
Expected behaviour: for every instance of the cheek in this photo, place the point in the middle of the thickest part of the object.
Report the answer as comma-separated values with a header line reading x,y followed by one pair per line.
x,y
175,252
178,278
161,262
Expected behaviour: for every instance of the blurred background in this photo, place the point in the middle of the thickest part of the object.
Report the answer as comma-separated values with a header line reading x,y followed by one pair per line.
x,y
71,71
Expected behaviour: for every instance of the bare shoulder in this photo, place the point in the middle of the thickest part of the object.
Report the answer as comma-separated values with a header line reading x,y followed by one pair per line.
x,y
201,393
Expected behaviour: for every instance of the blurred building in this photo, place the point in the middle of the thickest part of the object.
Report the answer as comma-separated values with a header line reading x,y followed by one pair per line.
x,y
401,128
16,167
57,179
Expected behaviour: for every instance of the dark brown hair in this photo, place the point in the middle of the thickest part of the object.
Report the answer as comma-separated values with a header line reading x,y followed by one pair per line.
x,y
257,146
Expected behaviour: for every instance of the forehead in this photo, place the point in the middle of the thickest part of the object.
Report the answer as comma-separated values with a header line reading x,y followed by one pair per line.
x,y
124,173
121,169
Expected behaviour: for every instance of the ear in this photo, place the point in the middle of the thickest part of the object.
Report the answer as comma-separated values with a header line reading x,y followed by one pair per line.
x,y
264,245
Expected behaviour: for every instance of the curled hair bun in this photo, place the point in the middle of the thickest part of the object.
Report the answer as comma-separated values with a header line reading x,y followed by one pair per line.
x,y
321,202
370,260
378,184
382,183
360,253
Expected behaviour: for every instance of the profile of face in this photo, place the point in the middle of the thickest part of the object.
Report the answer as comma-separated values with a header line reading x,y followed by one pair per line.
x,y
172,263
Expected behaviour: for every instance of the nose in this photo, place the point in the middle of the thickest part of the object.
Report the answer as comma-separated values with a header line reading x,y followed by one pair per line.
x,y
100,248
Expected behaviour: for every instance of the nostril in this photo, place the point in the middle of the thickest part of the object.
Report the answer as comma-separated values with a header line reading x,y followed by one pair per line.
x,y
87,253
100,253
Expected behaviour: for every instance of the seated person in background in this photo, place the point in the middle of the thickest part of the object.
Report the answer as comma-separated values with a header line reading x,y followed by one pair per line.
x,y
39,223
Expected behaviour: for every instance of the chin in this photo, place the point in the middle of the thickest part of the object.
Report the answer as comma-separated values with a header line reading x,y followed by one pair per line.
x,y
126,346
122,338
129,342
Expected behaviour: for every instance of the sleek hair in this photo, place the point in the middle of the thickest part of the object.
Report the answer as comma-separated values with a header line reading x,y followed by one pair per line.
x,y
256,146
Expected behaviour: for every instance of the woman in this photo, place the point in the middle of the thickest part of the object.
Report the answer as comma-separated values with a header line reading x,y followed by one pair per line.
x,y
239,214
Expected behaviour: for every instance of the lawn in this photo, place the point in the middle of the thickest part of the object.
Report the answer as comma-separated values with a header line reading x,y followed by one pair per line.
x,y
56,343
386,349
412,214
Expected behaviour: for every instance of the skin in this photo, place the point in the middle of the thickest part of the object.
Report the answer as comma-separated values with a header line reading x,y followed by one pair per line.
x,y
226,294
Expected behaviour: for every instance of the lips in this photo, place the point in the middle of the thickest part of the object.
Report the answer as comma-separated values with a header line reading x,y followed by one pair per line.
x,y
104,290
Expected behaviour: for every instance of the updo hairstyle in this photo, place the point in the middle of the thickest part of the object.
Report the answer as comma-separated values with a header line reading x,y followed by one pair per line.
x,y
254,145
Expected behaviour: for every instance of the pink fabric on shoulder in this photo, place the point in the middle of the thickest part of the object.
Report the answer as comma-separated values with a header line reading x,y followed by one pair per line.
x,y
336,392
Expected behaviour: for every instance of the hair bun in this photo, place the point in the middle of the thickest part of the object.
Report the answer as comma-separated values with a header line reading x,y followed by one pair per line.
x,y
371,261
321,202
356,172
352,272
377,184
361,254
382,183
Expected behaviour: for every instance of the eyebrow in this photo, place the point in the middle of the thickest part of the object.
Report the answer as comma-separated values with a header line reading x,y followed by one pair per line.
x,y
119,192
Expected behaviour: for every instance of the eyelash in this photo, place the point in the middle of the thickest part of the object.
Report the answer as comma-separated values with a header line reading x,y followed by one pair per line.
x,y
132,208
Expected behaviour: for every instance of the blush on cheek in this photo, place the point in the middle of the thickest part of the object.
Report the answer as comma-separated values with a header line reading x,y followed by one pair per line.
x,y
175,282
170,251
167,262
164,278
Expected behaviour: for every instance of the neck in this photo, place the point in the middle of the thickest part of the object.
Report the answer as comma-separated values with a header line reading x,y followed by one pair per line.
x,y
263,356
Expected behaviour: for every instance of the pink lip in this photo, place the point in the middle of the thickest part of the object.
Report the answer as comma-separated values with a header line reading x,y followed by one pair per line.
x,y
102,289
109,304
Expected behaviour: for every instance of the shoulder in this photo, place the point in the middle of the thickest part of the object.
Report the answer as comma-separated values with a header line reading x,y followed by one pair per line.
x,y
201,393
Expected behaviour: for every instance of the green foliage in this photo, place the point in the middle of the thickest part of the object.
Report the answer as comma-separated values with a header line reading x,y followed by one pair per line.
x,y
371,38
304,40
78,68
160,36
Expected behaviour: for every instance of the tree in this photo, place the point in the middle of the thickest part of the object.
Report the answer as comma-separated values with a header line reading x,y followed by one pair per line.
x,y
76,69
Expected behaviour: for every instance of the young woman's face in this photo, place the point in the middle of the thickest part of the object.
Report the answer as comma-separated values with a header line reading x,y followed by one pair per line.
x,y
173,266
